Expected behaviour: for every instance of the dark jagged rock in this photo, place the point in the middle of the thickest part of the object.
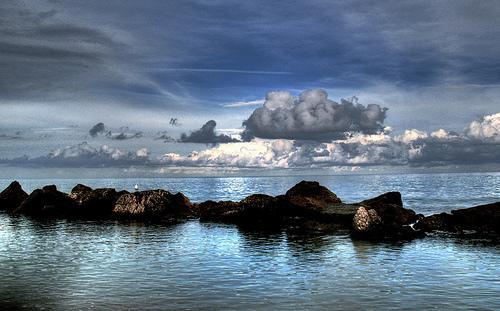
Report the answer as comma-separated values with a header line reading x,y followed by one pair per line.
x,y
436,222
47,201
79,191
224,211
94,202
254,210
395,220
310,200
482,218
393,197
152,204
389,207
261,208
310,195
12,196
305,202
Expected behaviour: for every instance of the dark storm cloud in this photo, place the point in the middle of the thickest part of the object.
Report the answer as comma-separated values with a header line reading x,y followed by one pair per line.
x,y
334,42
174,122
247,48
123,135
48,55
206,135
459,151
97,129
312,116
163,135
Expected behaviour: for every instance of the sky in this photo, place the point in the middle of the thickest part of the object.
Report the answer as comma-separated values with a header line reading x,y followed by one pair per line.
x,y
195,87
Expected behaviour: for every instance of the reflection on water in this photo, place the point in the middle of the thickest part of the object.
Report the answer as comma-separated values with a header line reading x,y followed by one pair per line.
x,y
109,265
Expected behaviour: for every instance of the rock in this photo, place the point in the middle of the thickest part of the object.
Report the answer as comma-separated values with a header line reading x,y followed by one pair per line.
x,y
79,191
384,199
366,223
305,202
254,210
389,220
94,203
389,207
261,209
12,196
47,201
310,196
482,218
440,222
152,204
223,211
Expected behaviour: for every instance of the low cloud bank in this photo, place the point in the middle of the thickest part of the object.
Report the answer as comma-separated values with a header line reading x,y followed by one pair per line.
x,y
84,155
311,116
478,144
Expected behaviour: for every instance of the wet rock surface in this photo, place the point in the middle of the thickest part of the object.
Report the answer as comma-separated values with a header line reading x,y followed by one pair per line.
x,y
310,196
152,204
480,219
12,196
47,201
94,202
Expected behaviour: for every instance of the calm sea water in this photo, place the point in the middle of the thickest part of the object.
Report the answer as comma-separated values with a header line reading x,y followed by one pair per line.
x,y
108,265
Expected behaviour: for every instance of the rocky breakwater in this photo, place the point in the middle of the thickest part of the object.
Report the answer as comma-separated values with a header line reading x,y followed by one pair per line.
x,y
310,206
84,202
482,219
306,201
306,206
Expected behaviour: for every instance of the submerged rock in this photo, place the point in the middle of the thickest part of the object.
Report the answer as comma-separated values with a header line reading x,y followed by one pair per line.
x,y
12,196
152,204
47,201
94,202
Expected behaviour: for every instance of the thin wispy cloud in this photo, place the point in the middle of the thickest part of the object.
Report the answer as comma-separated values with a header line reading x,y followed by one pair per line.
x,y
237,71
251,103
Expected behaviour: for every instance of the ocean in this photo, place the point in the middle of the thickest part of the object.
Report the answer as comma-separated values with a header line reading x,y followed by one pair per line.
x,y
63,265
